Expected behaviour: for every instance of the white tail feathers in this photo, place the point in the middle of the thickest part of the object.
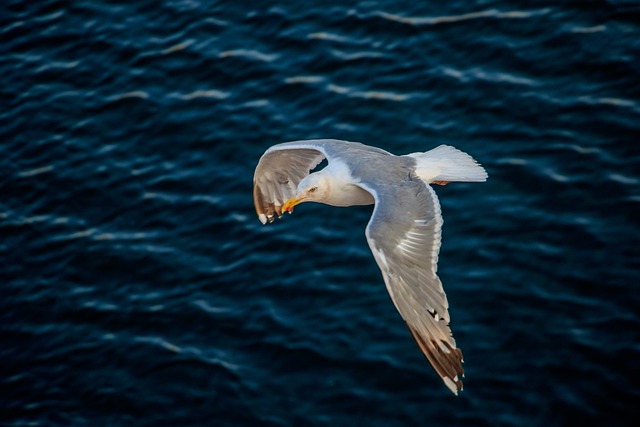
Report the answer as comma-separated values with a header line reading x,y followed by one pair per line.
x,y
446,163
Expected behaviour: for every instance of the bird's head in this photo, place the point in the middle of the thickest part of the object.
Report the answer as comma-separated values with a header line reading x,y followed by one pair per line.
x,y
313,188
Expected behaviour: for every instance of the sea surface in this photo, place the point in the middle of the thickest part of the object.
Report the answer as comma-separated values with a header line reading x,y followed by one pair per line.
x,y
138,288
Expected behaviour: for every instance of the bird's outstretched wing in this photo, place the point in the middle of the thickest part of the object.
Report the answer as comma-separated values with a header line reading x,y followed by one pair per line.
x,y
277,176
404,236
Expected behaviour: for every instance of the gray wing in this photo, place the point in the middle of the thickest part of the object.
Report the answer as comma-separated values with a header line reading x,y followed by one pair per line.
x,y
283,166
404,236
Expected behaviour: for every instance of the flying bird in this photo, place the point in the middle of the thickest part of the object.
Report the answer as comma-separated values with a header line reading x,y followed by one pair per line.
x,y
405,226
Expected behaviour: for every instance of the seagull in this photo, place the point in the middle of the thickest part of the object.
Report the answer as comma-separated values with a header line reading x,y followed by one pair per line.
x,y
403,233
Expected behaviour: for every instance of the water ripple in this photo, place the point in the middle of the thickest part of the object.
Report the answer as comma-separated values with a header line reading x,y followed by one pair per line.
x,y
304,79
380,95
332,37
136,275
210,93
178,47
354,56
136,94
491,13
249,54
37,171
587,30
481,74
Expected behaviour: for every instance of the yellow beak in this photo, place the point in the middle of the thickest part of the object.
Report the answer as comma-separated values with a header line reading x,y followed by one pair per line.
x,y
289,204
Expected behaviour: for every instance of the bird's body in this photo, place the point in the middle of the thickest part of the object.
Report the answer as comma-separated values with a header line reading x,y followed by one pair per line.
x,y
404,230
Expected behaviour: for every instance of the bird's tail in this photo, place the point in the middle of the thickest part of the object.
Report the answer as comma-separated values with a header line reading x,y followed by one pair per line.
x,y
445,164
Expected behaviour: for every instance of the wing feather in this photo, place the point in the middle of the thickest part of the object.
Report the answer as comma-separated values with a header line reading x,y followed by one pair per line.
x,y
277,176
404,236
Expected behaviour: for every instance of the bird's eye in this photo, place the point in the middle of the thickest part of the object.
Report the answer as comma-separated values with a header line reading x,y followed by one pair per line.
x,y
313,189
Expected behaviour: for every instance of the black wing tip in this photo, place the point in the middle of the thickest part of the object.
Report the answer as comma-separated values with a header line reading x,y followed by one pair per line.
x,y
447,363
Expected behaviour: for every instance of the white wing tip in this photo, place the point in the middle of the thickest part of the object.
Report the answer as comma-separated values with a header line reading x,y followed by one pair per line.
x,y
451,385
262,218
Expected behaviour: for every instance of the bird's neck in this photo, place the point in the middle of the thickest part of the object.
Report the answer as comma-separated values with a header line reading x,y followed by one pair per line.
x,y
344,190
349,195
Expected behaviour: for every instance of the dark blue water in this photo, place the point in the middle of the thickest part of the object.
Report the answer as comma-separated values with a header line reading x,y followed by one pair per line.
x,y
138,287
